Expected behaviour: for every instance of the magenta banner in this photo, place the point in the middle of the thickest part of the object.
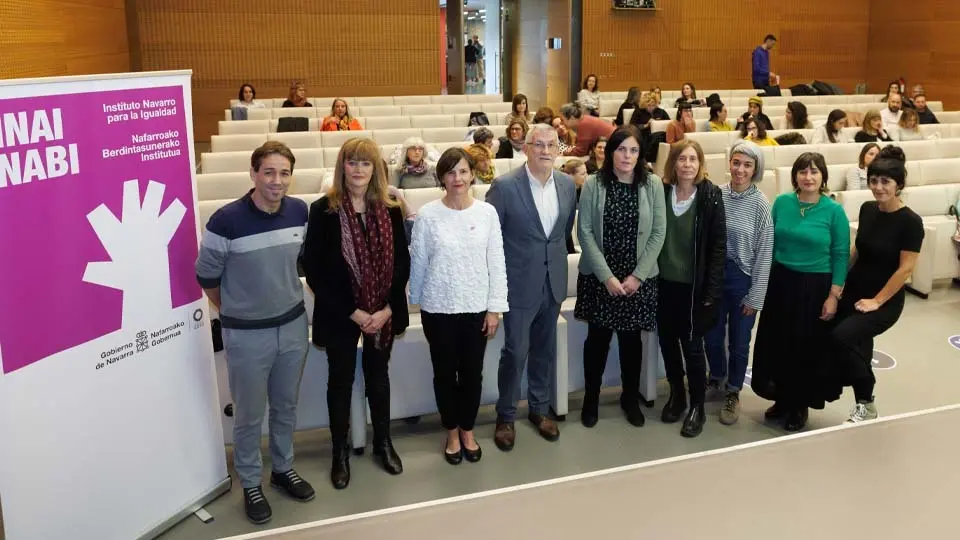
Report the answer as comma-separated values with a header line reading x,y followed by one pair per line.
x,y
96,217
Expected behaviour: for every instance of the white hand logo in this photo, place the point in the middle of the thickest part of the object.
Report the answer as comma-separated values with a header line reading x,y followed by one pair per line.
x,y
139,260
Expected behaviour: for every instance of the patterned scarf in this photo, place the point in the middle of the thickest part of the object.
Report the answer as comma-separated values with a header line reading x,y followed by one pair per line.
x,y
418,168
370,259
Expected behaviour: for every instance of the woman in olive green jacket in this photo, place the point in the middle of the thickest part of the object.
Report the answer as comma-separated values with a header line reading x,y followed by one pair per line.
x,y
621,227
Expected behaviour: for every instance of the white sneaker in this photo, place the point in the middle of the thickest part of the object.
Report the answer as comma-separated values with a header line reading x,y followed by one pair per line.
x,y
863,412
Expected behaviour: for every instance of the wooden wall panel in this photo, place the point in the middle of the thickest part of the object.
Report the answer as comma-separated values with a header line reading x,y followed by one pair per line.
x,y
335,47
41,38
709,43
921,44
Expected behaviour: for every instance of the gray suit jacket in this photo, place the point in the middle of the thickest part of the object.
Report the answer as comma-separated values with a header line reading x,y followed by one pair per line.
x,y
532,255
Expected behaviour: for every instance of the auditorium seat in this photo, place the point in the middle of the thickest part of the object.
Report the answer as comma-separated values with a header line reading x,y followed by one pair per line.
x,y
499,107
484,98
308,112
433,120
411,100
460,108
436,135
297,139
448,99
234,143
420,110
388,122
335,139
395,136
243,127
374,101
380,110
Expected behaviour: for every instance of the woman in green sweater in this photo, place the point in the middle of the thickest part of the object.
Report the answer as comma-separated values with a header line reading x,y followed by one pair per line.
x,y
811,249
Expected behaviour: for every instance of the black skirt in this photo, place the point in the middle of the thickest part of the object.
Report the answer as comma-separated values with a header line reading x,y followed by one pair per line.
x,y
791,358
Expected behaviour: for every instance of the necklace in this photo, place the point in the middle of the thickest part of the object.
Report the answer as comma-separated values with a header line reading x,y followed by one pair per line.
x,y
803,209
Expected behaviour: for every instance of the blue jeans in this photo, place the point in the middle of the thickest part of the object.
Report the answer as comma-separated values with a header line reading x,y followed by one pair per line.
x,y
736,285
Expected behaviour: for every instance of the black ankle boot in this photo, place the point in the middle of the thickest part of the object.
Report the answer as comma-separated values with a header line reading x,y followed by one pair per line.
x,y
590,413
387,457
340,470
693,423
796,419
676,404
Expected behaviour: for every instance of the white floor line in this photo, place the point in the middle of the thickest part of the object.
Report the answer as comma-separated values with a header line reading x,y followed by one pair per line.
x,y
583,476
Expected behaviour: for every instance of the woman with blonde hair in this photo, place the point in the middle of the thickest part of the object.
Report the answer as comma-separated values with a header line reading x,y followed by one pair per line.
x,y
646,113
340,118
413,170
483,169
356,261
872,129
690,284
907,129
297,97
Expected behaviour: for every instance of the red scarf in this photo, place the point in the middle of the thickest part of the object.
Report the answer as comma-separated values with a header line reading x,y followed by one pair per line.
x,y
370,259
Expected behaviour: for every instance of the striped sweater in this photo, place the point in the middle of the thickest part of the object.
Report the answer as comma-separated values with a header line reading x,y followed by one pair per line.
x,y
750,238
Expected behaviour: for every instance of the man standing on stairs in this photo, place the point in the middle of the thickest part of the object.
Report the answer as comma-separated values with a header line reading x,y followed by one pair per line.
x,y
761,63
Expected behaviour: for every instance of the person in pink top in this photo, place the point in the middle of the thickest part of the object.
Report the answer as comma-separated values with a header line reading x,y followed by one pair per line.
x,y
588,128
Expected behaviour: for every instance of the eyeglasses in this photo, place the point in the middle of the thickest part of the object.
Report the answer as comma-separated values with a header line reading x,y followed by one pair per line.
x,y
544,146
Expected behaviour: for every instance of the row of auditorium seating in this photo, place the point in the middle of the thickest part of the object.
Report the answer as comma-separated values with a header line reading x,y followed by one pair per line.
x,y
364,101
243,127
674,94
731,96
377,110
610,108
943,129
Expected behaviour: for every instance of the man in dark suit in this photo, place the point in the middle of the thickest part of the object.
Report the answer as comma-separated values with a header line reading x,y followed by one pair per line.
x,y
536,205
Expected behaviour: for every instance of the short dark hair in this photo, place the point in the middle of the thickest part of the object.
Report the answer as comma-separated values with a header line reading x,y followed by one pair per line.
x,y
252,90
448,161
270,148
482,135
606,174
682,107
805,160
890,162
715,110
770,37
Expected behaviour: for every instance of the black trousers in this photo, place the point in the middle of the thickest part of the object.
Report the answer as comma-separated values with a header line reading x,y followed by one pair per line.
x,y
852,338
342,360
677,343
457,346
595,351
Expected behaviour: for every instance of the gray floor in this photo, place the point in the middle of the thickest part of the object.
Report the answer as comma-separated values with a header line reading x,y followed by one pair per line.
x,y
926,376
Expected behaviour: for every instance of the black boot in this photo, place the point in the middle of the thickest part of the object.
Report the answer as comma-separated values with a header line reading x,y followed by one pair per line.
x,y
387,457
590,413
693,423
631,407
796,419
340,470
676,404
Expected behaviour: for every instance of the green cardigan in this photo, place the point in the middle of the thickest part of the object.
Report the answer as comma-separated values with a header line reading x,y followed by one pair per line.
x,y
651,228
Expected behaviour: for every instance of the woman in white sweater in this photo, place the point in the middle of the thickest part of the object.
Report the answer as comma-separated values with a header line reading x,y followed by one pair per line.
x,y
458,276
832,131
589,96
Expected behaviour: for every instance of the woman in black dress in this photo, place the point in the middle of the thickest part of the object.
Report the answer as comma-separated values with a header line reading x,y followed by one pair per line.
x,y
888,242
621,229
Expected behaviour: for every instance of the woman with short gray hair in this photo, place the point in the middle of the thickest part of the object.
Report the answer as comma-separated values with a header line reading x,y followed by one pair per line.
x,y
749,256
413,170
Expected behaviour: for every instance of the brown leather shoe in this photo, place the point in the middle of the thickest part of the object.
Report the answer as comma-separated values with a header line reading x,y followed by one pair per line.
x,y
546,427
504,436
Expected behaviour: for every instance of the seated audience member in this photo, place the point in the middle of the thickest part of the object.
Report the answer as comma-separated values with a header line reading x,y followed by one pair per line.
x,y
512,145
683,124
924,114
907,127
518,110
832,130
718,118
892,88
755,110
247,98
632,102
795,117
298,96
413,170
756,132
483,171
790,138
589,96
657,93
857,176
483,135
647,113
578,171
891,114
544,115
595,159
588,128
567,137
340,119
872,129
688,95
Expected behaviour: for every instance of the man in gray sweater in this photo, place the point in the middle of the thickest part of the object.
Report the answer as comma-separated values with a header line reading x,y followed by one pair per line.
x,y
248,268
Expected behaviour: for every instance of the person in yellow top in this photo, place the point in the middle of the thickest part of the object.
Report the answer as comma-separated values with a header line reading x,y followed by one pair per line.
x,y
718,118
756,132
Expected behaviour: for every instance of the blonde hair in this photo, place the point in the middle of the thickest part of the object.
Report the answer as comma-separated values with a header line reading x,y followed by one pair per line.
x,y
480,152
670,170
647,99
346,108
868,119
907,114
357,149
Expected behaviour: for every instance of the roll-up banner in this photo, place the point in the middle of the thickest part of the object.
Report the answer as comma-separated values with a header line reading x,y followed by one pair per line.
x,y
109,427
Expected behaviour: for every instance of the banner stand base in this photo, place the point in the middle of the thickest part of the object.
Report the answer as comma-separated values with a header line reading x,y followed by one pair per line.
x,y
189,509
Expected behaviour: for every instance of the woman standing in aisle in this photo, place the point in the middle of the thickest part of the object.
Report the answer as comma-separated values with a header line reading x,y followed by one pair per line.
x,y
357,264
690,284
458,278
749,254
888,243
621,228
811,249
